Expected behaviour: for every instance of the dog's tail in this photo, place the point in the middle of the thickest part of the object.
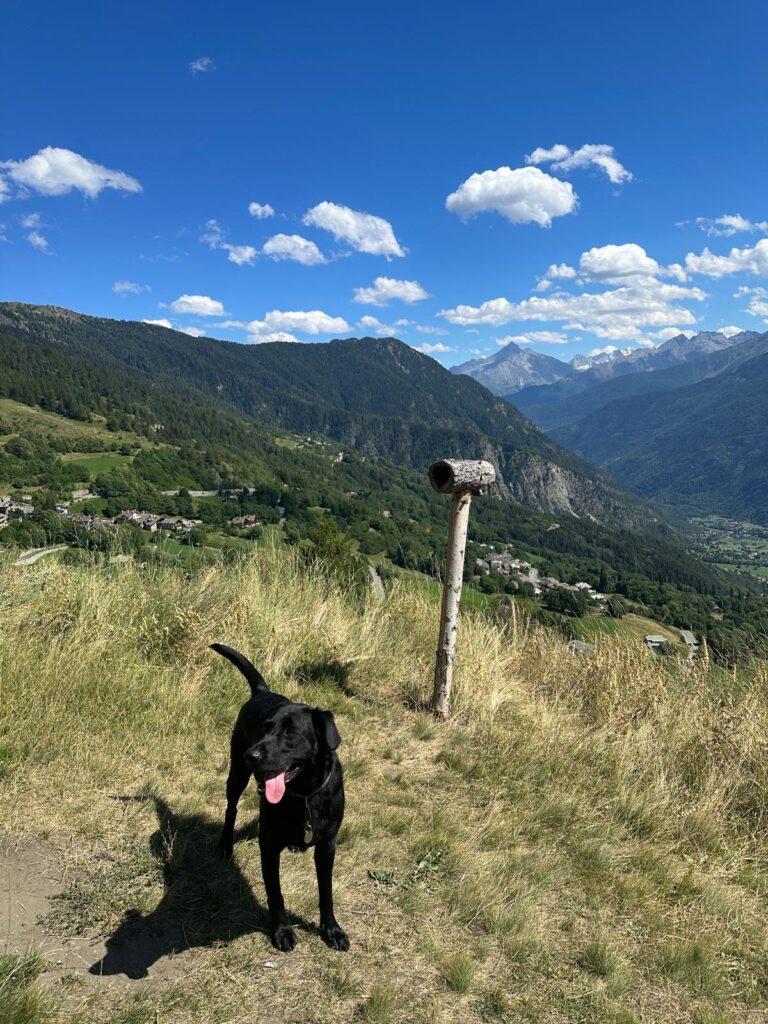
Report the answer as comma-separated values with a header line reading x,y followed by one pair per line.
x,y
255,679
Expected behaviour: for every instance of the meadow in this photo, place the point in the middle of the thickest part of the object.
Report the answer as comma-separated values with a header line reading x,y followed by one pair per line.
x,y
583,841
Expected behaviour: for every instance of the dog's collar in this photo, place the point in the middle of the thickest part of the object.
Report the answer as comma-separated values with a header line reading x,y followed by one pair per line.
x,y
308,796
309,832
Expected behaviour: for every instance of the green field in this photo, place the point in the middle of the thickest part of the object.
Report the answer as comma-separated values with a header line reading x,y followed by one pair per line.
x,y
35,420
630,627
471,599
97,462
733,545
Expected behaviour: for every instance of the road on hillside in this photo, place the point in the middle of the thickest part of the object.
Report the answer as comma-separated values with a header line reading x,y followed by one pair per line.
x,y
34,554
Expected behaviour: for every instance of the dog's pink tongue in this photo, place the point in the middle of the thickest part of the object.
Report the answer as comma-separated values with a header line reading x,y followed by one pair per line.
x,y
275,788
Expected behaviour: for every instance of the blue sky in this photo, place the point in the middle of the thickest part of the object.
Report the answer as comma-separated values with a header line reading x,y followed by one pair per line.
x,y
568,175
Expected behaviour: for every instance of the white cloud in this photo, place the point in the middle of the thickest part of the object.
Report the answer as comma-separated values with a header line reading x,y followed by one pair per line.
x,y
523,195
750,260
363,231
730,331
564,159
612,263
305,321
561,271
238,254
730,224
3,236
606,350
293,247
617,313
39,242
438,346
31,220
200,305
4,190
129,288
428,329
193,332
758,302
669,332
202,64
260,211
376,327
274,336
53,172
385,289
540,155
163,322
535,337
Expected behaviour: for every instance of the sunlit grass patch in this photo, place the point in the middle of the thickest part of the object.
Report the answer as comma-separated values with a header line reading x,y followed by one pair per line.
x,y
581,842
379,1005
20,1000
457,972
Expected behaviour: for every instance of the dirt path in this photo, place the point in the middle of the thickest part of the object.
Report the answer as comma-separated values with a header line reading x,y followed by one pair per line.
x,y
34,554
376,584
31,874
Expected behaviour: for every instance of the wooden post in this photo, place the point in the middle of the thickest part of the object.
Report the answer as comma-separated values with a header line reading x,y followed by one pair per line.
x,y
460,479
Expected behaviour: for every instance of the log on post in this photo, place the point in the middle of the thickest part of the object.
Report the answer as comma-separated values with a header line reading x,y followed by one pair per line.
x,y
461,479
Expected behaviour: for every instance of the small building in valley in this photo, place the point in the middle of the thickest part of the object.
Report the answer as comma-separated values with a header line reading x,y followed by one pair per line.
x,y
690,641
245,522
656,642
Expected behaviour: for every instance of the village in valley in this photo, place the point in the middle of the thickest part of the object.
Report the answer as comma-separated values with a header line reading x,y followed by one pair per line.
x,y
589,611
519,571
147,521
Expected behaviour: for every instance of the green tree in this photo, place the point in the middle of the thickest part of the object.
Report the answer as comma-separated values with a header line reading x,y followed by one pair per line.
x,y
572,603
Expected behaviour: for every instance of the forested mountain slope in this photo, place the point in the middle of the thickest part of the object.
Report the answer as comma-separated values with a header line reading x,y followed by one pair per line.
x,y
378,396
698,448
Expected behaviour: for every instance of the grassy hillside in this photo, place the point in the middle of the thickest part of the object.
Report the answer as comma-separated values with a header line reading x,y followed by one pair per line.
x,y
584,841
387,510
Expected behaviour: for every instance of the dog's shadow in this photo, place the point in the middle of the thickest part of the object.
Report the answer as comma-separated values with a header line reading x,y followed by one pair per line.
x,y
205,900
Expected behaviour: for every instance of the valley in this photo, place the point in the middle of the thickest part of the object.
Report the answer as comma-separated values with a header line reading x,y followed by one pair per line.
x,y
732,545
134,447
683,426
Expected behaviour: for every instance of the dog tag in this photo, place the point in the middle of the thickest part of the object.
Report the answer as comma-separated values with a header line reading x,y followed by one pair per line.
x,y
308,834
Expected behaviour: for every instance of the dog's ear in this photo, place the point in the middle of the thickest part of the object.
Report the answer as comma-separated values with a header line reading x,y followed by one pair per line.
x,y
325,727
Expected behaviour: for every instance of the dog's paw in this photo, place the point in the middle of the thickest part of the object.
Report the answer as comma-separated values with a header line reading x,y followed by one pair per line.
x,y
284,938
335,936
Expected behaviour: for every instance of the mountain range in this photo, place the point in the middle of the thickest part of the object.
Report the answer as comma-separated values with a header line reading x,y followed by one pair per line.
x,y
692,437
514,370
379,396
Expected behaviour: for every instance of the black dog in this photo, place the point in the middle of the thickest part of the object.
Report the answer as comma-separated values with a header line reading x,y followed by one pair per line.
x,y
280,742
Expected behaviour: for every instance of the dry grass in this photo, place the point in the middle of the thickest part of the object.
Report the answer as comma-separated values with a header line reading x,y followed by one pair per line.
x,y
585,841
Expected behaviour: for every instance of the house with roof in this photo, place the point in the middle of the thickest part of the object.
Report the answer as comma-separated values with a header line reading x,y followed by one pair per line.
x,y
690,641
